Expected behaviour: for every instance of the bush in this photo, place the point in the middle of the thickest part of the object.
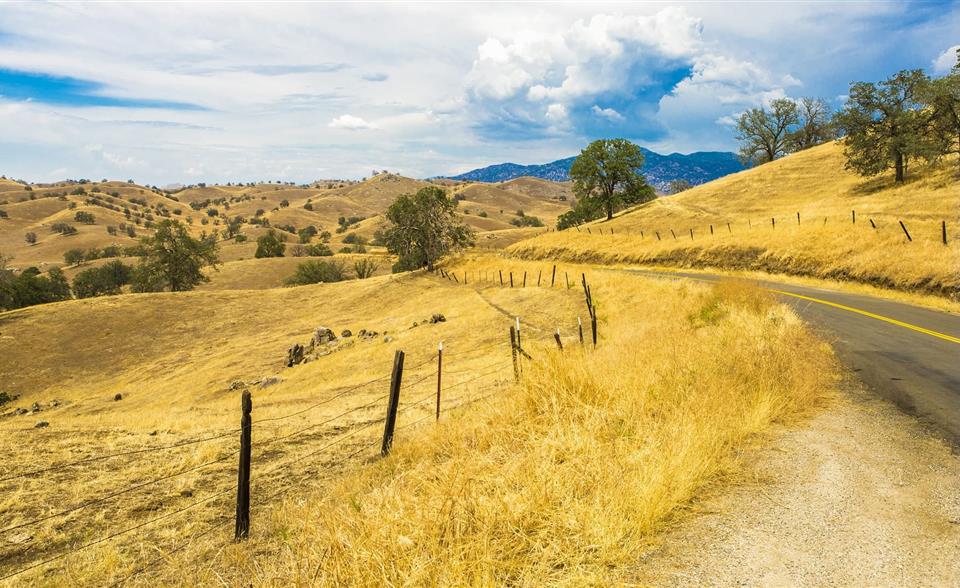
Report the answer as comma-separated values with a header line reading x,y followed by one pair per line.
x,y
74,256
355,239
3,214
483,214
307,234
319,250
100,281
365,268
84,217
526,221
240,239
308,206
30,238
270,245
63,229
315,272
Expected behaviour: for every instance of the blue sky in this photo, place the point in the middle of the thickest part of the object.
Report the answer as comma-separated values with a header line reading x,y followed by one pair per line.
x,y
166,93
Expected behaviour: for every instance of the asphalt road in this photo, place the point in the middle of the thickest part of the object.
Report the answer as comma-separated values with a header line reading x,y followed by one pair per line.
x,y
907,354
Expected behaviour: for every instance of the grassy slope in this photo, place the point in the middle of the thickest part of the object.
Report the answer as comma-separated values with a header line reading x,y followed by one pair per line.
x,y
826,244
563,479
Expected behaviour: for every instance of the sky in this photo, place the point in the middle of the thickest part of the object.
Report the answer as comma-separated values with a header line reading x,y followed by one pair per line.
x,y
168,93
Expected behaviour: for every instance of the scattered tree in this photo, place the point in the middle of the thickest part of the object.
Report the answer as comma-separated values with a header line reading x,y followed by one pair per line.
x,y
814,125
105,280
84,217
606,176
365,267
270,245
942,96
173,259
765,135
677,186
316,271
30,238
74,256
423,228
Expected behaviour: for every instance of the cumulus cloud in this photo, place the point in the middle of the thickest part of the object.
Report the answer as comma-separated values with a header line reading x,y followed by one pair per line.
x,y
350,122
607,113
946,60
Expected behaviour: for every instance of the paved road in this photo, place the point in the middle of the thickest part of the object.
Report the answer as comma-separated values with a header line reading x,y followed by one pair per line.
x,y
908,354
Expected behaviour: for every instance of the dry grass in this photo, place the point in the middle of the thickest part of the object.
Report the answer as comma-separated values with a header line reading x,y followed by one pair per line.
x,y
826,244
563,480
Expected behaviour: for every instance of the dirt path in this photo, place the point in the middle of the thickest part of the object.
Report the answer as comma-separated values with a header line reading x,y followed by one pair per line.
x,y
863,495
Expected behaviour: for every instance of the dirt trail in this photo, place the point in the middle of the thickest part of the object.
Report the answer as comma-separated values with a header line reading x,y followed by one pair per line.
x,y
863,495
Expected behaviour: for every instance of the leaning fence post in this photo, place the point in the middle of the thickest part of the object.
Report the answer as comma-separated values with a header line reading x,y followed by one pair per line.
x,y
242,530
553,276
524,278
729,230
674,234
513,353
872,224
580,328
905,232
711,229
691,234
539,274
390,423
658,235
556,337
567,278
501,278
439,375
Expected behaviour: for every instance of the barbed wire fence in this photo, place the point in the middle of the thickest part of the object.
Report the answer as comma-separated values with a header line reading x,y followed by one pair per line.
x,y
276,462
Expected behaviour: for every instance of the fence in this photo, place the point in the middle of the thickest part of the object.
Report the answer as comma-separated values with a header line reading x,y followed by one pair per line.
x,y
937,233
272,464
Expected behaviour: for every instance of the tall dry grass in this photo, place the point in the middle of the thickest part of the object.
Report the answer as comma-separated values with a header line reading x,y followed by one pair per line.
x,y
565,479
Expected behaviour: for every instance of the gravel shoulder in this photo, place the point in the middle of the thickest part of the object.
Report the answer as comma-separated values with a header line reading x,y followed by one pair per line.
x,y
861,495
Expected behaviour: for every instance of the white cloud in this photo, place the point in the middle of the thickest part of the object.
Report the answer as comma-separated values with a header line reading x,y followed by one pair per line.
x,y
350,122
946,60
607,113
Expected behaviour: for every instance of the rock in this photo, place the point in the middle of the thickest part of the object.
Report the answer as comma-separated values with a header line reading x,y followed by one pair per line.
x,y
362,333
20,539
186,493
153,433
271,381
295,355
415,325
438,318
117,397
323,335
35,407
55,403
21,411
41,425
387,339
346,333
236,385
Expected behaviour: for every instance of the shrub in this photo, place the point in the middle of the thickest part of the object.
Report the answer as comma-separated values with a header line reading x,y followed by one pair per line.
x,y
483,214
365,267
30,238
240,239
211,212
63,229
307,234
315,271
308,206
284,203
100,281
84,217
79,191
270,245
319,250
3,214
526,221
355,239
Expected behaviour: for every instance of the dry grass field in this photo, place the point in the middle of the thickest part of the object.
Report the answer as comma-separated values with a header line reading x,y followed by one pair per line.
x,y
825,243
564,478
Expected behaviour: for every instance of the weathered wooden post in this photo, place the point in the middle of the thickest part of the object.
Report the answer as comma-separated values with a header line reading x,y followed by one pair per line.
x,y
853,216
513,353
556,337
691,234
773,223
501,278
905,232
798,219
439,375
390,423
943,231
674,234
511,279
524,278
580,328
553,276
539,274
711,229
242,530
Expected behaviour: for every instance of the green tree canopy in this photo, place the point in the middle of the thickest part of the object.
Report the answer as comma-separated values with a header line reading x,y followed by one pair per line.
x,y
885,124
677,186
270,245
764,135
606,176
814,125
423,228
173,259
942,96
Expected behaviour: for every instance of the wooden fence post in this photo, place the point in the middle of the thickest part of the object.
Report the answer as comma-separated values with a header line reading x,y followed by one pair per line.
x,y
943,231
519,345
691,234
593,325
674,234
658,235
242,530
567,278
556,337
798,219
872,224
511,279
729,230
524,278
539,274
513,353
773,223
905,232
580,328
553,276
455,279
711,229
501,278
439,375
853,216
464,276
390,423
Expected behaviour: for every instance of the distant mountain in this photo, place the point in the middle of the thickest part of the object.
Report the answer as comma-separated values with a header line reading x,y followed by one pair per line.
x,y
660,170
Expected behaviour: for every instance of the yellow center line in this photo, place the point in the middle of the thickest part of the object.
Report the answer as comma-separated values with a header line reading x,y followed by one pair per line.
x,y
872,315
879,317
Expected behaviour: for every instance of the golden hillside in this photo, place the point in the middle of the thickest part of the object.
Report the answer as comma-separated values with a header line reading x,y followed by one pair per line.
x,y
762,205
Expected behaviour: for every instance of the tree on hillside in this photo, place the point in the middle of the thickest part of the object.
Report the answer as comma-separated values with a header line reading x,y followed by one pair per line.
x,y
942,96
173,259
100,281
677,186
423,228
30,238
764,135
270,245
606,176
814,125
885,124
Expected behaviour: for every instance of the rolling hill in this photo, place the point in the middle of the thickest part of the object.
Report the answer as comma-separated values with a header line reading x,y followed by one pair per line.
x,y
696,168
804,214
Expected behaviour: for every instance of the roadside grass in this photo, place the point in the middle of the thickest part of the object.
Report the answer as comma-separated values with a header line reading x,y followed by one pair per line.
x,y
825,244
567,477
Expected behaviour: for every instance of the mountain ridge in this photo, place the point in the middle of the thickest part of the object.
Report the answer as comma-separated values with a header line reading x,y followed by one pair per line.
x,y
697,168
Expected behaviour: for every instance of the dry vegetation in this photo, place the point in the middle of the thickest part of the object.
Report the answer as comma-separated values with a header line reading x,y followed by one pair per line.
x,y
564,479
826,244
